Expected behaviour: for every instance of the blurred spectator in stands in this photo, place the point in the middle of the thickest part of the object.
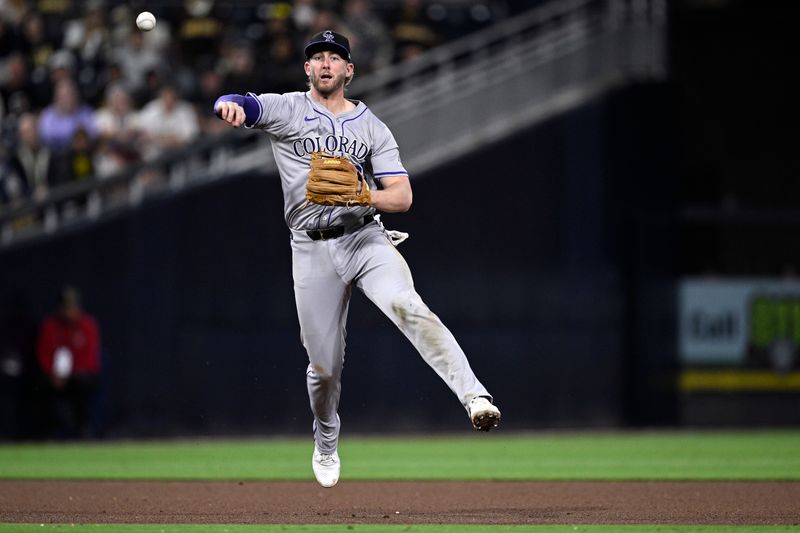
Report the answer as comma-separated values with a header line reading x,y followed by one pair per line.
x,y
14,75
154,79
81,150
68,350
413,30
68,130
55,13
117,118
13,11
200,32
166,122
65,116
10,186
8,38
76,163
14,91
112,75
368,35
278,23
17,106
282,75
241,74
136,60
121,20
117,131
62,67
209,87
38,49
61,120
325,19
303,14
88,37
279,44
28,171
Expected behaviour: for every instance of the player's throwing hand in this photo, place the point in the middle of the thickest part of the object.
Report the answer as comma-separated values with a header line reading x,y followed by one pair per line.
x,y
231,112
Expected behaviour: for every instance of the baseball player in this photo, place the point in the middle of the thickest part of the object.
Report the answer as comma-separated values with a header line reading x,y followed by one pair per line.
x,y
339,165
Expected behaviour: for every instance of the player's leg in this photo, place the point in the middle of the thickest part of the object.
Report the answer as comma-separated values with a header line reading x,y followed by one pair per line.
x,y
322,300
386,280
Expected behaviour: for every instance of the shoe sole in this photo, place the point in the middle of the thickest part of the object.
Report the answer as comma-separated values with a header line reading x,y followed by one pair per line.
x,y
327,486
486,421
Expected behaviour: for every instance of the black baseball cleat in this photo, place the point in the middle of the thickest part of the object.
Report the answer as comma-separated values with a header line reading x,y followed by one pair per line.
x,y
483,414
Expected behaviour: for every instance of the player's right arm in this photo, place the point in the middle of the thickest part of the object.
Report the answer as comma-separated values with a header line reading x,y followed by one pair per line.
x,y
276,114
237,109
230,112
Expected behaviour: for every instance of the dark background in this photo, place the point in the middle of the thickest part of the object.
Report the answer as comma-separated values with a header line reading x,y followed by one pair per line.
x,y
557,276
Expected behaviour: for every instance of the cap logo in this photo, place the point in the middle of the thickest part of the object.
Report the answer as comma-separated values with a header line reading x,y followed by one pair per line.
x,y
328,36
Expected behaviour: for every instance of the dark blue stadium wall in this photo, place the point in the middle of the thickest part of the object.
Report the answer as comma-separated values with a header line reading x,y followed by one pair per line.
x,y
548,255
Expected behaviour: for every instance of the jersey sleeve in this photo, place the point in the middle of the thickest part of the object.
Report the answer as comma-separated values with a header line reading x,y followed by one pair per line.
x,y
275,113
386,154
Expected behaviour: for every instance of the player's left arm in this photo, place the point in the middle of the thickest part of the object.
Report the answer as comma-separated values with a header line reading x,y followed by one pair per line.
x,y
395,196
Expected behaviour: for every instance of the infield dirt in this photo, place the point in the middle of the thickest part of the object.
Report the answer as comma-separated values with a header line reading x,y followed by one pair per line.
x,y
403,502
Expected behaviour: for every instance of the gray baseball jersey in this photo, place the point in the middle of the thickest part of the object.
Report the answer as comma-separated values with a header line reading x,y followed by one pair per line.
x,y
324,271
299,126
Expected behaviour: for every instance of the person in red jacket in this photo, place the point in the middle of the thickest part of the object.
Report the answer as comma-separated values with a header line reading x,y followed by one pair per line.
x,y
68,350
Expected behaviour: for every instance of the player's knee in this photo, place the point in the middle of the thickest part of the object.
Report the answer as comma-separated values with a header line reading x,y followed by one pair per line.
x,y
318,372
322,372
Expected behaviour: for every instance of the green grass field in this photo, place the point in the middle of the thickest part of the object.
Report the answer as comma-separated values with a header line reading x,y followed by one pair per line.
x,y
768,455
581,456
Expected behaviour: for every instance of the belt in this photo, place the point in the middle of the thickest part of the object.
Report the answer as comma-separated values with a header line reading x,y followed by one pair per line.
x,y
336,231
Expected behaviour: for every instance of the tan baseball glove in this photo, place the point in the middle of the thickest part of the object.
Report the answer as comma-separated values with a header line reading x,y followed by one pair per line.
x,y
334,180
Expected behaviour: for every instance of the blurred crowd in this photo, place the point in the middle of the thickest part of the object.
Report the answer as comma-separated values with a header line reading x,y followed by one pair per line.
x,y
83,93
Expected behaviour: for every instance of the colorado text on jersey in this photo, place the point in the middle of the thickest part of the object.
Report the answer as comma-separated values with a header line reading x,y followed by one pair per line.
x,y
331,143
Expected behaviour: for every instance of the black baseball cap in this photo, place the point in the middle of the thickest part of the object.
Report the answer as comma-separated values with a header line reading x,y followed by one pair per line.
x,y
328,40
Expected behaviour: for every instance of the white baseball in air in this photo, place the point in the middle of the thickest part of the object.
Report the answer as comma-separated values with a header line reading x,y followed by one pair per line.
x,y
146,21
